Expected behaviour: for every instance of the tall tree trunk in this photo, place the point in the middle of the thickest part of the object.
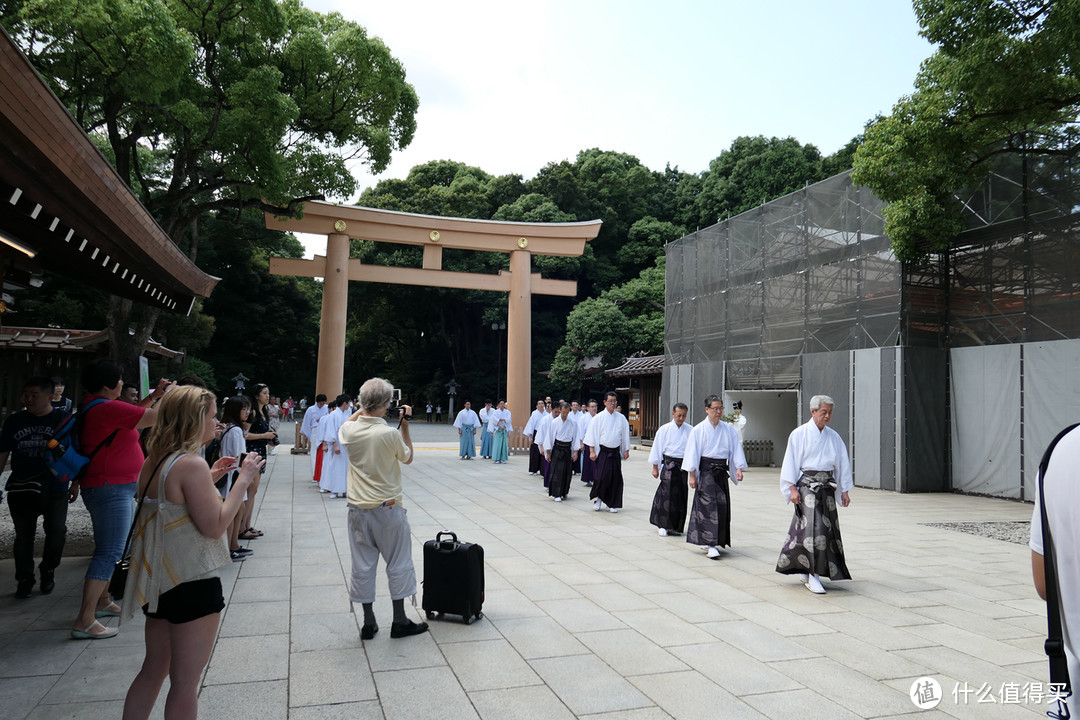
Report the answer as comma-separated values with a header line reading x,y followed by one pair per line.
x,y
130,325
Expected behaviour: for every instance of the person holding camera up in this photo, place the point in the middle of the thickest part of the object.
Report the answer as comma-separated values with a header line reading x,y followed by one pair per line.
x,y
258,436
377,520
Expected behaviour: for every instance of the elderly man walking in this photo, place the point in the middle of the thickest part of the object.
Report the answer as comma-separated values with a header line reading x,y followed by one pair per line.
x,y
712,449
377,521
815,476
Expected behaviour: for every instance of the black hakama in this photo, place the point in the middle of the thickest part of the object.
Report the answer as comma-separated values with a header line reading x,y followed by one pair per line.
x,y
814,544
710,518
534,457
608,483
669,502
588,465
559,469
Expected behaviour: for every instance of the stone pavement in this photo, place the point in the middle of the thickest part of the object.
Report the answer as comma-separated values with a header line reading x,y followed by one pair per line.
x,y
588,614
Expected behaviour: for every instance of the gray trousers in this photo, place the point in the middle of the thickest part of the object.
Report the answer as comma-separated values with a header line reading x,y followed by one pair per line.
x,y
380,531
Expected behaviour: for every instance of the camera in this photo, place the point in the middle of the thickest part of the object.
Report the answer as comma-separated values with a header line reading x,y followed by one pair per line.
x,y
395,410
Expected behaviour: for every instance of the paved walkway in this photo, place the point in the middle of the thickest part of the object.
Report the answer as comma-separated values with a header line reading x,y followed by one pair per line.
x,y
587,615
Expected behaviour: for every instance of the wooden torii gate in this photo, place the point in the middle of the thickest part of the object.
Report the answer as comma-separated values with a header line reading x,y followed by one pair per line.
x,y
519,240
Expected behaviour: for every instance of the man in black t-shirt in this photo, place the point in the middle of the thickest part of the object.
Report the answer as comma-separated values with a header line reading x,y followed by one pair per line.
x,y
32,490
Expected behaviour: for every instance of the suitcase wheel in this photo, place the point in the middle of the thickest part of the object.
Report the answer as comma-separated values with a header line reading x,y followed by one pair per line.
x,y
430,614
469,620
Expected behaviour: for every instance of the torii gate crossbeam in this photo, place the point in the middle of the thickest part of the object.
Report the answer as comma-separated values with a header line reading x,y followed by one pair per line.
x,y
519,240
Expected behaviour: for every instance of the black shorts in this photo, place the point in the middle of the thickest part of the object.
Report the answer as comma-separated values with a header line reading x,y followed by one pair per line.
x,y
189,601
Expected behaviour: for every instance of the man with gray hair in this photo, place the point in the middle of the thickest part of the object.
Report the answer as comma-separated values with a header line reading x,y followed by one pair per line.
x,y
377,521
815,476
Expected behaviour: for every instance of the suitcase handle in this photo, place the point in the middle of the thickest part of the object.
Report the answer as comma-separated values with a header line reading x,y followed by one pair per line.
x,y
453,543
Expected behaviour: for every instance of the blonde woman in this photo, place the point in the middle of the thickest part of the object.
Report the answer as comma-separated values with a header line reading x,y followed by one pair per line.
x,y
181,524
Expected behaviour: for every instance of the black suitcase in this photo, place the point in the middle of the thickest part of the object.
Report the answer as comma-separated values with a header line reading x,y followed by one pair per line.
x,y
453,577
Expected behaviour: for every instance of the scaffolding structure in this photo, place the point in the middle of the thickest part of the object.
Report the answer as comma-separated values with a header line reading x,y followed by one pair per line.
x,y
805,291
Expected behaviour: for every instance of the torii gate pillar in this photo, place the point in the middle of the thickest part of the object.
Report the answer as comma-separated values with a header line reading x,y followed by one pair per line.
x,y
519,240
519,334
335,306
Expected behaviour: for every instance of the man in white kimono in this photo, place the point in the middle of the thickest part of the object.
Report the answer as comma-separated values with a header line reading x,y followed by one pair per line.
x,y
669,503
466,423
588,466
815,476
335,475
540,440
739,423
530,432
500,424
711,450
561,446
608,438
485,434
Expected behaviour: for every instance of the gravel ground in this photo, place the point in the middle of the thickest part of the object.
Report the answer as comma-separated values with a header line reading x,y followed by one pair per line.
x,y
80,536
1018,532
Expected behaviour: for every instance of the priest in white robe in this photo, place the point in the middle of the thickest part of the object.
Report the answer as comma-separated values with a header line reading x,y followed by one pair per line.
x,y
466,423
485,434
815,477
669,445
608,437
712,449
530,432
335,476
307,427
561,447
500,424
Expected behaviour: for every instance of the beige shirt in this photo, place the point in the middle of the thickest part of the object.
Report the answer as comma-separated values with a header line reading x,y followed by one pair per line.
x,y
375,450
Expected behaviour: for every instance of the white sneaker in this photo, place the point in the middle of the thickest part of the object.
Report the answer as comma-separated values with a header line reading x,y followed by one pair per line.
x,y
713,552
613,509
814,585
558,499
662,532
596,504
804,577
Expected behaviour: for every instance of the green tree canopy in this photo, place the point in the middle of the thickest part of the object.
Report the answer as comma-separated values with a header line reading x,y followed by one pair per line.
x,y
218,105
1002,68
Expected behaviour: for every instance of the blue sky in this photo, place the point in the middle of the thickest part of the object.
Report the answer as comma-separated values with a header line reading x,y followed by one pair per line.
x,y
510,86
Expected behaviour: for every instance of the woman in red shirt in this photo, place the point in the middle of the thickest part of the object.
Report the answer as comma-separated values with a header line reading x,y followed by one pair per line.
x,y
110,430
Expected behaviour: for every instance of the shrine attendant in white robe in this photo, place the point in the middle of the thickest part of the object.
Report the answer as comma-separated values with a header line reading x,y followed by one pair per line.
x,y
485,434
530,432
307,428
500,424
816,477
318,444
541,434
466,423
669,503
608,437
739,423
561,447
588,465
712,449
335,476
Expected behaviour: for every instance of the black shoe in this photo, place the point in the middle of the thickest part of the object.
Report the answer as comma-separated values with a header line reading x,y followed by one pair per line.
x,y
238,556
407,628
24,588
48,582
368,631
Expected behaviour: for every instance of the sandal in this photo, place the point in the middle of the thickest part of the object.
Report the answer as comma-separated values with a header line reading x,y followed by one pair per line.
x,y
253,531
110,610
249,534
91,633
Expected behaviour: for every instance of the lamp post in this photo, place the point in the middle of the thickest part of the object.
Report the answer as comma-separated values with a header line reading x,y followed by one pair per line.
x,y
452,391
498,327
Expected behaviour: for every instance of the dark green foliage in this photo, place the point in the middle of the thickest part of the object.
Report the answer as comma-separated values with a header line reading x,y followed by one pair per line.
x,y
1006,76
